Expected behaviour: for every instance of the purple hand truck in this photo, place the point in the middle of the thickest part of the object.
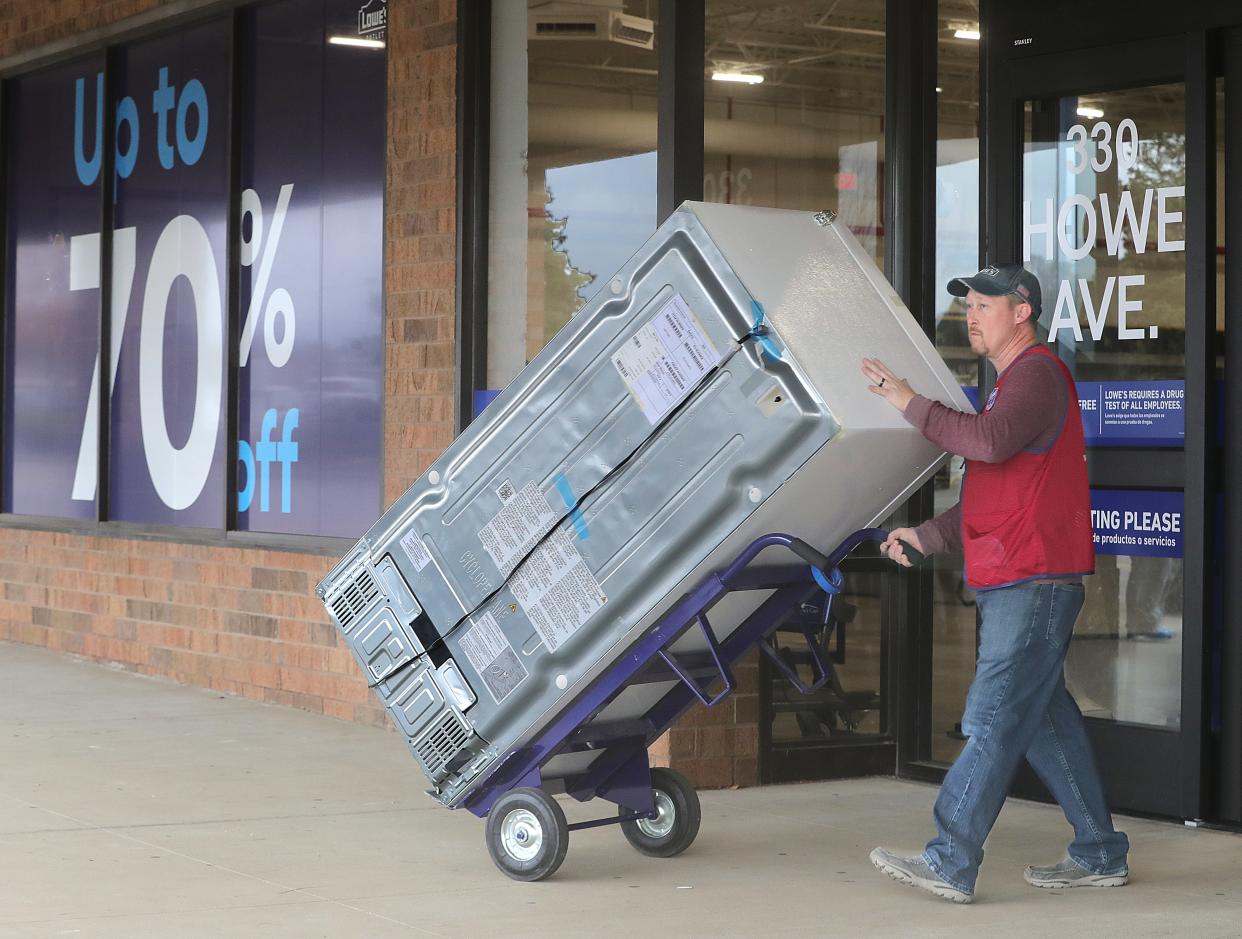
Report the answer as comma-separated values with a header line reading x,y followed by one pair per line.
x,y
658,809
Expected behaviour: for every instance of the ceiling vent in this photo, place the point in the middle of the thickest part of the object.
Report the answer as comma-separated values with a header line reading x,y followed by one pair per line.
x,y
585,19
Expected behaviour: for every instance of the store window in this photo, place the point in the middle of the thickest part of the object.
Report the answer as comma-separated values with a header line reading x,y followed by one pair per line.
x,y
957,253
573,164
51,302
308,335
794,109
311,366
169,253
794,102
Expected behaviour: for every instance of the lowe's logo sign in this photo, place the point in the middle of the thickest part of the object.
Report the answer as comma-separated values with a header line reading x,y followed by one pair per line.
x,y
373,17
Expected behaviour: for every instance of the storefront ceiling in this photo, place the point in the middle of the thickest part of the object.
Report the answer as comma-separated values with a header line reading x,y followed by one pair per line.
x,y
820,55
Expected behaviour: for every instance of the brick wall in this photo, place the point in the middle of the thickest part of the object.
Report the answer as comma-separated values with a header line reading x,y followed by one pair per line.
x,y
28,24
245,620
718,747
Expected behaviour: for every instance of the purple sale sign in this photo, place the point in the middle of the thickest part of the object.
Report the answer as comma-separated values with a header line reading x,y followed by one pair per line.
x,y
51,308
1137,523
169,253
308,341
313,149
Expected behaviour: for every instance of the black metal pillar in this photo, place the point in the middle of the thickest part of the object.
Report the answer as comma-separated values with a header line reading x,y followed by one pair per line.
x,y
909,261
474,74
680,58
1230,753
1200,398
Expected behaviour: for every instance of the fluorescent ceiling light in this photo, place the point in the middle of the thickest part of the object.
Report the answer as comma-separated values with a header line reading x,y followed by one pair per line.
x,y
965,33
355,41
746,78
1090,112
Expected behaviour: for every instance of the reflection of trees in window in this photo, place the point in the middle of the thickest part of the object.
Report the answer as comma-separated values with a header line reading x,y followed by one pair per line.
x,y
561,279
1161,162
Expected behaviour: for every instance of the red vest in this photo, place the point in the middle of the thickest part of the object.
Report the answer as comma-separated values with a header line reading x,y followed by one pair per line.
x,y
1030,517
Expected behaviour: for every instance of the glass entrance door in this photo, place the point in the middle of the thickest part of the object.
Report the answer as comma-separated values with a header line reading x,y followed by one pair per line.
x,y
1103,188
1103,226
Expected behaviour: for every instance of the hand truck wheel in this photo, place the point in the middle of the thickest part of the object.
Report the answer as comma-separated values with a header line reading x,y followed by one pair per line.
x,y
527,834
676,823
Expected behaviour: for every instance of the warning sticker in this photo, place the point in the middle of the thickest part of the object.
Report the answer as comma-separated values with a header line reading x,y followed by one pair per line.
x,y
663,362
516,528
415,550
493,658
556,589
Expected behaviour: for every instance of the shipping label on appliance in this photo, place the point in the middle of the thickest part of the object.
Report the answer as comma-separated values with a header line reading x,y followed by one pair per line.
x,y
415,550
517,527
666,359
556,590
493,657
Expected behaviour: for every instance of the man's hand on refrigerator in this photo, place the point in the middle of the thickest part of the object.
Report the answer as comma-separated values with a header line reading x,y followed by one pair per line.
x,y
896,391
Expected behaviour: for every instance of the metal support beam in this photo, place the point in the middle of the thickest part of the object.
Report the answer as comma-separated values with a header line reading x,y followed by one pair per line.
x,y
1199,519
679,157
1230,803
474,74
909,262
107,228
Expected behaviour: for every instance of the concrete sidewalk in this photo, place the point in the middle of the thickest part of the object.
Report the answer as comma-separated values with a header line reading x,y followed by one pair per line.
x,y
134,807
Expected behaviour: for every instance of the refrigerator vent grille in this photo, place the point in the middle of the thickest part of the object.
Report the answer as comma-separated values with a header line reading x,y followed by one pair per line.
x,y
355,598
442,743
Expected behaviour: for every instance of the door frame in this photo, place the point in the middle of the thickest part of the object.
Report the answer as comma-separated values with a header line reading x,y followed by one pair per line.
x,y
1228,802
1189,59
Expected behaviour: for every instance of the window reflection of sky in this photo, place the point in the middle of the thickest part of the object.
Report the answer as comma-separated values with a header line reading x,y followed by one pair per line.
x,y
610,210
957,216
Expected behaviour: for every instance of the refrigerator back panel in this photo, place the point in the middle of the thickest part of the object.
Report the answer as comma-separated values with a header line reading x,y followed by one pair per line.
x,y
708,394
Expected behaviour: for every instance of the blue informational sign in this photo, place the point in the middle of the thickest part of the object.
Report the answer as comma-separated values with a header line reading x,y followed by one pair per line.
x,y
972,395
169,253
51,303
483,397
1133,413
1137,523
313,150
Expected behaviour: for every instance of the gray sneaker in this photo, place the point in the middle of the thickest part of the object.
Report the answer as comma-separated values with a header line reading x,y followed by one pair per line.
x,y
915,872
1067,873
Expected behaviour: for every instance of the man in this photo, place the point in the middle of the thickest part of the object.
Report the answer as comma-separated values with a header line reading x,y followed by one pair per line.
x,y
1024,524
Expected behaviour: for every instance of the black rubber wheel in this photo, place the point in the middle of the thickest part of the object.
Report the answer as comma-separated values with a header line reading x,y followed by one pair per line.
x,y
527,834
677,823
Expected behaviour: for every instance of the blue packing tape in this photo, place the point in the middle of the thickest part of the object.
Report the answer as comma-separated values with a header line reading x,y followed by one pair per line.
x,y
571,503
829,583
766,343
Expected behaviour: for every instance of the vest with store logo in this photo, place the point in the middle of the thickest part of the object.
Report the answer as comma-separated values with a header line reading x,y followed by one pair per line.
x,y
1029,517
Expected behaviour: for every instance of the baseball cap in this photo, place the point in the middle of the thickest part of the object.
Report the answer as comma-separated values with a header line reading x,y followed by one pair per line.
x,y
1002,281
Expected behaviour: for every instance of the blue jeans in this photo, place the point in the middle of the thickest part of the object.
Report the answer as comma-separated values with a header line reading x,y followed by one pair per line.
x,y
1018,706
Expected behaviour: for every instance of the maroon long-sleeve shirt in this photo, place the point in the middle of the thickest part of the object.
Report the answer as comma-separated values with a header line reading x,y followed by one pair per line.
x,y
1027,415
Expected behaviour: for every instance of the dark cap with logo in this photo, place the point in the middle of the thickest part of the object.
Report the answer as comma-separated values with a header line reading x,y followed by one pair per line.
x,y
1007,280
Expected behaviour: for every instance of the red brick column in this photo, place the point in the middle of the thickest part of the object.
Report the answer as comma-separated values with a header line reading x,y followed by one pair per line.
x,y
421,239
